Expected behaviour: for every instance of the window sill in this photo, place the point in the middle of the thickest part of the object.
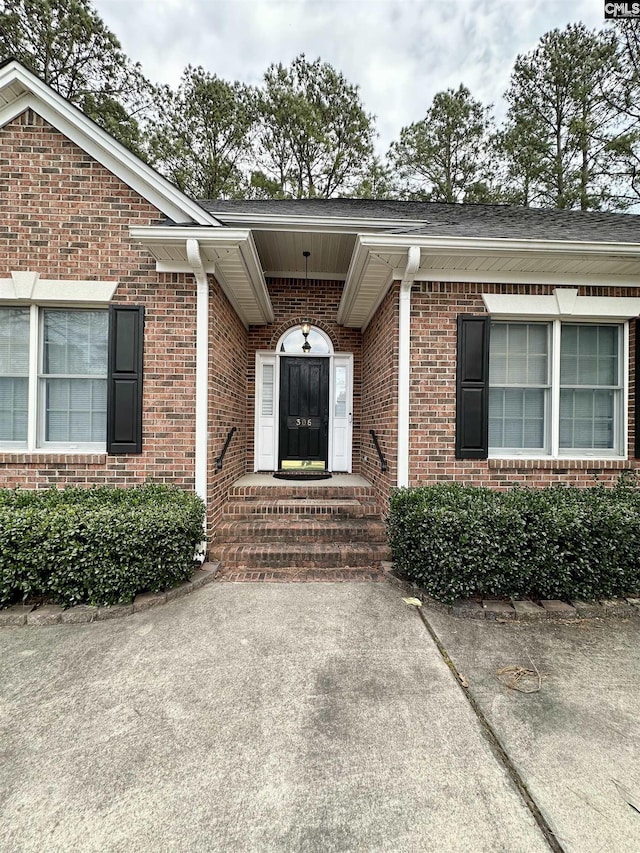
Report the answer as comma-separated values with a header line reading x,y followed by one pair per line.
x,y
591,465
48,457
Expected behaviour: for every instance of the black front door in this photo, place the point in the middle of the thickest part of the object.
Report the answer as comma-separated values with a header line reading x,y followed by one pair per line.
x,y
304,412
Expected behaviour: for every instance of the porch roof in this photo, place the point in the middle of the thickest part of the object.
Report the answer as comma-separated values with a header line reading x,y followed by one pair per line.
x,y
228,253
366,244
500,221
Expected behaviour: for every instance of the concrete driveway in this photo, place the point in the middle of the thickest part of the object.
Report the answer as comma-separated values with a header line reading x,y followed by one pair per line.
x,y
301,717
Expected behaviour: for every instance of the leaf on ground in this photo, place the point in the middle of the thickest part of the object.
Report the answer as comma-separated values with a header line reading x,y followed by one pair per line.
x,y
414,602
519,678
631,799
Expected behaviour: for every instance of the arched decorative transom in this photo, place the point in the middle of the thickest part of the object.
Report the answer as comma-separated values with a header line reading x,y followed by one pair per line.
x,y
293,342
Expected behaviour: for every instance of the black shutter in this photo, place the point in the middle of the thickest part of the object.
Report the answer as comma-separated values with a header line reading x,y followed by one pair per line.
x,y
124,386
472,388
636,438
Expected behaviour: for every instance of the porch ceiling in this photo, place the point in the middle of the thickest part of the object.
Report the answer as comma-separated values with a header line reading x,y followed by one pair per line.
x,y
281,255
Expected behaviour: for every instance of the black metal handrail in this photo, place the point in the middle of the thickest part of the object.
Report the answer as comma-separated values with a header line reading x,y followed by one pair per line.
x,y
383,461
220,458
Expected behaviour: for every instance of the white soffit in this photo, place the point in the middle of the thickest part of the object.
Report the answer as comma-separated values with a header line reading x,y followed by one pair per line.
x,y
227,253
464,259
368,280
21,90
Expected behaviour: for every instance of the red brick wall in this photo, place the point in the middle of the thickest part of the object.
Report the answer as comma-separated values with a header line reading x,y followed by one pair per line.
x,y
434,309
65,216
293,301
380,395
227,399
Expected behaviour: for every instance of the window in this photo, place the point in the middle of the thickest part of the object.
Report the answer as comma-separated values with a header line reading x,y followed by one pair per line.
x,y
519,385
340,391
268,376
53,377
293,341
556,389
590,388
14,374
544,375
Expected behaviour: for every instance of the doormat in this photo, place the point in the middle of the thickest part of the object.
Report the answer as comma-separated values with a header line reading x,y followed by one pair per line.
x,y
302,476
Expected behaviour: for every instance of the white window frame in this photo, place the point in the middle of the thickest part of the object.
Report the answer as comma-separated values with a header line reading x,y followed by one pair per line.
x,y
564,305
41,382
552,408
12,445
25,289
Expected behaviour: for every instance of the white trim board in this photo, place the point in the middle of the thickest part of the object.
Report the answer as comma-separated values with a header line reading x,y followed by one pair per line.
x,y
26,287
517,277
446,245
297,274
563,303
306,222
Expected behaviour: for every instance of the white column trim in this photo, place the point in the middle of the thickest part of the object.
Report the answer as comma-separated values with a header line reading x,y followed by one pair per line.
x,y
202,367
264,452
345,423
404,362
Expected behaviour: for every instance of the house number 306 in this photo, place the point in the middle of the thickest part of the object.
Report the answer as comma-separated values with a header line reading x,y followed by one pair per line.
x,y
303,422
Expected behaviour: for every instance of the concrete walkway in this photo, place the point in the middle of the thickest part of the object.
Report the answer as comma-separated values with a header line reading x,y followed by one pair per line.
x,y
248,718
579,734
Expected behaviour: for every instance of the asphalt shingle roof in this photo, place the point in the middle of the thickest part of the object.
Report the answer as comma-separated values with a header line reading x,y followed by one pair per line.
x,y
452,220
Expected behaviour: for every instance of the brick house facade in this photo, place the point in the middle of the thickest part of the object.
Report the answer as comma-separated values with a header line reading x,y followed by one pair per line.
x,y
547,394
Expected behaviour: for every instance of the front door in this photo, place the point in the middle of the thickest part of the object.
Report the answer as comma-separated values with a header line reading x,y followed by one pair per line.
x,y
304,413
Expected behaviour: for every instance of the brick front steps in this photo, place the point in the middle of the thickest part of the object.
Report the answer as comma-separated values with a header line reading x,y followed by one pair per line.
x,y
334,529
289,532
274,489
295,575
315,555
263,507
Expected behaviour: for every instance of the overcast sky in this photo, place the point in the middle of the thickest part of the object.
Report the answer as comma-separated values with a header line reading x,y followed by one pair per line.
x,y
399,52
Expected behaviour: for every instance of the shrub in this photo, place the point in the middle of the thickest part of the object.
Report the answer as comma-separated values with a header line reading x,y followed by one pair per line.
x,y
96,546
558,542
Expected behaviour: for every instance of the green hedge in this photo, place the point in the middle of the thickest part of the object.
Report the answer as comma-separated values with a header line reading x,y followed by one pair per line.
x,y
559,542
96,546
